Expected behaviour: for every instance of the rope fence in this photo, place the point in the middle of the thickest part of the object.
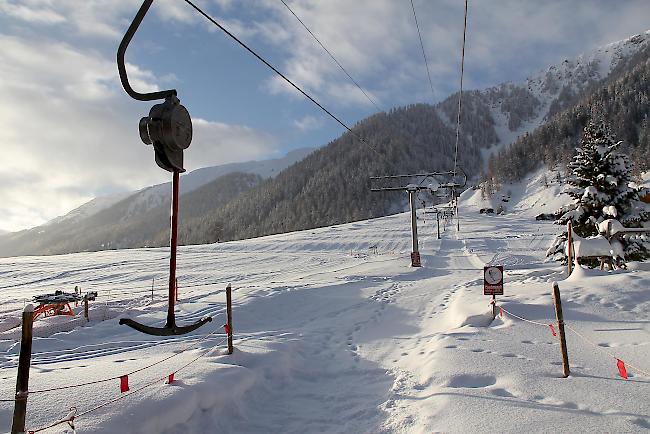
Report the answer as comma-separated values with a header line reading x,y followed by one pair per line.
x,y
72,416
604,351
104,380
621,365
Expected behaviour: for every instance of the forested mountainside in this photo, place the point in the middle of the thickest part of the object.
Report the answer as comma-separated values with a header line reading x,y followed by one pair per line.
x,y
109,229
332,186
623,101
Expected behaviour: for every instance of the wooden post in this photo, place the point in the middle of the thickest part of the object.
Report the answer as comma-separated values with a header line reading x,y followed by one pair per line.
x,y
438,221
457,214
415,252
22,379
560,327
86,308
569,248
152,282
229,312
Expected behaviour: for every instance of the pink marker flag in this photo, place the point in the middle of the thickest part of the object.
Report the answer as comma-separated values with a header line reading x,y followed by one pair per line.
x,y
501,311
621,368
552,329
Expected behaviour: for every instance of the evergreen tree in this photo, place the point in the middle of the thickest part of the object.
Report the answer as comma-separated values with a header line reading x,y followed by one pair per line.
x,y
600,187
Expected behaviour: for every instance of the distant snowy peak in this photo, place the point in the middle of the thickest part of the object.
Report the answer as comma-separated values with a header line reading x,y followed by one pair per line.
x,y
156,195
518,108
150,197
90,208
594,65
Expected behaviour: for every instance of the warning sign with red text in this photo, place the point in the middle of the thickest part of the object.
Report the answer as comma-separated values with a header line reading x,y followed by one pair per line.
x,y
493,280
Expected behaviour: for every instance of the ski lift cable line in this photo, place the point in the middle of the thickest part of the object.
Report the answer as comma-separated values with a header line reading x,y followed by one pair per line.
x,y
460,94
285,78
426,63
333,58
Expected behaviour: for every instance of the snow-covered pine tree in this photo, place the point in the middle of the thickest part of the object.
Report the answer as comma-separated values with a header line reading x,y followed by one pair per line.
x,y
600,187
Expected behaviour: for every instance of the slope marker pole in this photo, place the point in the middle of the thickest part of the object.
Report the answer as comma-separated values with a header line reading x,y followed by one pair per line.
x,y
229,312
560,325
22,378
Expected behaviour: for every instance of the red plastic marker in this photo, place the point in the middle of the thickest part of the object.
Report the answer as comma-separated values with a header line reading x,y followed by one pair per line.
x,y
621,368
226,328
552,329
170,380
124,383
501,311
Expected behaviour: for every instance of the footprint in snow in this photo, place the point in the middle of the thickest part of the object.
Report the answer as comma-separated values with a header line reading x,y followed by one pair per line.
x,y
503,393
471,381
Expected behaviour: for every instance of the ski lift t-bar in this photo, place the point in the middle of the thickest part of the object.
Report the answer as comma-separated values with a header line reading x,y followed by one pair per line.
x,y
169,129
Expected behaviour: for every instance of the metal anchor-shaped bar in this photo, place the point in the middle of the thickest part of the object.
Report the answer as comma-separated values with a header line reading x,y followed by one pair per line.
x,y
169,129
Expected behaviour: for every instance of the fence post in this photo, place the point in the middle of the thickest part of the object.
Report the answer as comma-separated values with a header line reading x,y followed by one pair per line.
x,y
153,279
560,325
569,248
22,379
229,313
86,308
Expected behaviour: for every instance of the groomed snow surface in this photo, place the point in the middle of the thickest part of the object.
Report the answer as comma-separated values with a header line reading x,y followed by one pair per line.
x,y
333,337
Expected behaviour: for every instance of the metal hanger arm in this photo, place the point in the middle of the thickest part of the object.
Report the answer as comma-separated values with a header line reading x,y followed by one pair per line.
x,y
121,67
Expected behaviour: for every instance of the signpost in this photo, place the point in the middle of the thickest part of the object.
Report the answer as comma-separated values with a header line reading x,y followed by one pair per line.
x,y
493,283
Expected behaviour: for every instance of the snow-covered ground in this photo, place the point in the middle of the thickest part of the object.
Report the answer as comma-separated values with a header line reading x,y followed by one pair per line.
x,y
333,337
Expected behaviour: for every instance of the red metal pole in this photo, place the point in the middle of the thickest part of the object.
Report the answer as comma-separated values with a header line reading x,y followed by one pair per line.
x,y
173,243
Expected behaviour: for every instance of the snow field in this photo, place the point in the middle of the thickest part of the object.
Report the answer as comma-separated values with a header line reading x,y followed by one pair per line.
x,y
330,337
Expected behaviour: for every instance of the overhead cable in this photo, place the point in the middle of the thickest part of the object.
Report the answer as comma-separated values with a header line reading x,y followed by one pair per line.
x,y
333,58
426,63
285,78
460,94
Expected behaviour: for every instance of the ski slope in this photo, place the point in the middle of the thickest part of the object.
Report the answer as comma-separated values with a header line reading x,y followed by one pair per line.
x,y
333,337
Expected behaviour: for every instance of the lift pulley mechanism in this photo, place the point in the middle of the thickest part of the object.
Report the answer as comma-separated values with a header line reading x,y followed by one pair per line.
x,y
412,184
169,129
434,182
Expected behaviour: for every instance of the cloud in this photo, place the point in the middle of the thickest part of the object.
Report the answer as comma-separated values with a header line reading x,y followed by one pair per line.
x,y
105,19
376,41
308,123
225,143
68,132
23,12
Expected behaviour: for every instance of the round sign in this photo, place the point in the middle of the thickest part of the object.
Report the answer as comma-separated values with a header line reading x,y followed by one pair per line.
x,y
493,275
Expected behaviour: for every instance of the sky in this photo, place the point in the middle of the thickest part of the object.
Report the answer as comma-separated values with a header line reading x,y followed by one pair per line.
x,y
69,132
